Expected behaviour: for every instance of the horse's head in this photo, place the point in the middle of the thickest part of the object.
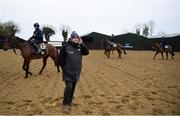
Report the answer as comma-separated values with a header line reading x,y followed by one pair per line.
x,y
10,42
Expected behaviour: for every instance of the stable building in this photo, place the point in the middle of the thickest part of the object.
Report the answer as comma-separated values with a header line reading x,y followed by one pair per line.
x,y
131,41
93,40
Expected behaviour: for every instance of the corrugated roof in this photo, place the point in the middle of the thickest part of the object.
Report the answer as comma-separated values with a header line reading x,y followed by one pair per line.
x,y
167,35
93,32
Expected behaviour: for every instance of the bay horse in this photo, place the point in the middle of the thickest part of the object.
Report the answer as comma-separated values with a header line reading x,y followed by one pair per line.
x,y
27,53
160,49
108,47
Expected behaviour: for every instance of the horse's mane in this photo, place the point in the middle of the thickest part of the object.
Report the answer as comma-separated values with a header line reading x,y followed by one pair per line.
x,y
20,39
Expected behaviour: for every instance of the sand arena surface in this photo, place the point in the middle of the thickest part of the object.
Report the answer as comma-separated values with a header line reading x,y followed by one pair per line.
x,y
135,84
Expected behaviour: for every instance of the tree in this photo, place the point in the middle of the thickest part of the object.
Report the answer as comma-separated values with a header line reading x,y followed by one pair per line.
x,y
8,29
1,29
48,31
138,28
64,31
138,31
151,27
146,31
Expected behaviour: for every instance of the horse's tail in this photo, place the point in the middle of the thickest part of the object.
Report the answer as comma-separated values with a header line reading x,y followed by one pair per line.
x,y
57,60
57,53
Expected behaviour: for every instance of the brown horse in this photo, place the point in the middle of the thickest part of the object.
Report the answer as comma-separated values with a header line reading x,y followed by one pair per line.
x,y
27,53
108,47
160,49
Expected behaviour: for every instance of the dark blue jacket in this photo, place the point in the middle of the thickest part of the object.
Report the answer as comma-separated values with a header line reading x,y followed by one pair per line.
x,y
70,60
38,35
163,42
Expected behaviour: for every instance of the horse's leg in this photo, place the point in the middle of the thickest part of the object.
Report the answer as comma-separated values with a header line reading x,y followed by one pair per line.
x,y
119,54
55,62
24,66
172,54
155,54
108,53
44,63
162,55
166,55
27,68
58,70
57,65
104,51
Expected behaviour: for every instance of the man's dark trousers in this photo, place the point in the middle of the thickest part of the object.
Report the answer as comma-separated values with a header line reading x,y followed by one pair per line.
x,y
69,92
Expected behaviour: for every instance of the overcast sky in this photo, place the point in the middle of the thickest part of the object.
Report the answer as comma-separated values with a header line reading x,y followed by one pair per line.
x,y
84,16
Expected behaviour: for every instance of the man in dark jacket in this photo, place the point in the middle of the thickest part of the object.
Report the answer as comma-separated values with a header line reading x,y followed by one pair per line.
x,y
37,37
70,60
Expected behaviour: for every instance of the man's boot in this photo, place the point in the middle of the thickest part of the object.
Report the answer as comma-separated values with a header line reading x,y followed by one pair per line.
x,y
65,108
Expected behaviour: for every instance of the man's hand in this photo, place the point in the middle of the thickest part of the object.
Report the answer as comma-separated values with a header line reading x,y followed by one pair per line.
x,y
80,41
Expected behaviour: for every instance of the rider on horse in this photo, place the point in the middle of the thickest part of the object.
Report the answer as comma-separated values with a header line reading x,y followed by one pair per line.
x,y
112,41
37,37
163,42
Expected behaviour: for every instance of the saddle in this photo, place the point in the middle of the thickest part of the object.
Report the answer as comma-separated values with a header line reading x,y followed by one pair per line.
x,y
42,47
113,44
166,46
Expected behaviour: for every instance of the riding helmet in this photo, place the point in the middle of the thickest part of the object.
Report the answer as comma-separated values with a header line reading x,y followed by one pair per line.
x,y
36,24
